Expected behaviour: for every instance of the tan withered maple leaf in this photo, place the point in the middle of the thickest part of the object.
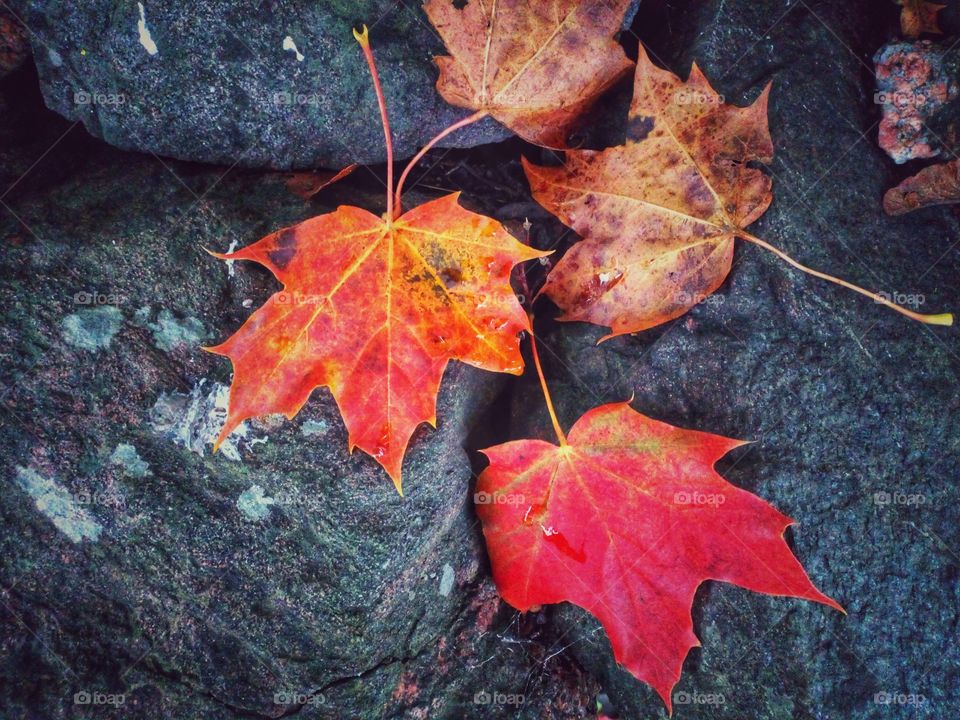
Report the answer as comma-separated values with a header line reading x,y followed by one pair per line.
x,y
935,185
374,308
627,518
534,66
658,214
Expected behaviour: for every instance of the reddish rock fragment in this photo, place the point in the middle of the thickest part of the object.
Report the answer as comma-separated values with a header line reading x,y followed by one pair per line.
x,y
915,83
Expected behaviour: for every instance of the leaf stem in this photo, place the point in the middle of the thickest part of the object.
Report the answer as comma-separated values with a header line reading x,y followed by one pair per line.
x,y
939,319
469,120
364,40
546,392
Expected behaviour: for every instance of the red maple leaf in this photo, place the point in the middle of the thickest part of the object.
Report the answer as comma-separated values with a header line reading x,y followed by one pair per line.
x,y
626,518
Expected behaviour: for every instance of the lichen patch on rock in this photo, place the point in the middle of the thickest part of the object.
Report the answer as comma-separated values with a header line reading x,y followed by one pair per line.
x,y
92,329
58,505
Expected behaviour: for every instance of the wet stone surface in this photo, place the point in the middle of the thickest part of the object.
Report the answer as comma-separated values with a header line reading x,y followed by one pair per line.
x,y
143,577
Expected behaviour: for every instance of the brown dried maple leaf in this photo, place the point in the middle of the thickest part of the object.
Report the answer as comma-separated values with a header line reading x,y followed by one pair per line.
x,y
659,214
934,185
534,66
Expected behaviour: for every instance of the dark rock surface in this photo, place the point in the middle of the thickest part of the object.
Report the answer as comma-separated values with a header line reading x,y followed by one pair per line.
x,y
280,576
854,409
276,85
14,46
133,562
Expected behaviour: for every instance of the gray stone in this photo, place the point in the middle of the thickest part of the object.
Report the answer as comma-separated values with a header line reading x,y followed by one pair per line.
x,y
854,409
282,575
277,85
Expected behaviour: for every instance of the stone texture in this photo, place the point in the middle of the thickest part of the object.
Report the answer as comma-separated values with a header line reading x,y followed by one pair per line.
x,y
277,86
280,85
143,577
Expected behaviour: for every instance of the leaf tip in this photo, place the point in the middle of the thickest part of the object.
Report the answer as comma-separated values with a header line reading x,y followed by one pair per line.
x,y
214,253
610,336
531,169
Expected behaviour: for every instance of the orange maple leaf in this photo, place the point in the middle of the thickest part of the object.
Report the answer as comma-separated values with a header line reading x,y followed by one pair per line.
x,y
659,214
626,518
533,66
374,308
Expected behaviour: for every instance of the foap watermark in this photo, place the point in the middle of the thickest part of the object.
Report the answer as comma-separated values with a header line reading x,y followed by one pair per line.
x,y
898,698
698,698
298,697
289,99
294,498
95,297
696,298
495,498
697,97
104,498
82,97
295,298
95,697
899,497
900,98
496,299
698,498
498,698
910,300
